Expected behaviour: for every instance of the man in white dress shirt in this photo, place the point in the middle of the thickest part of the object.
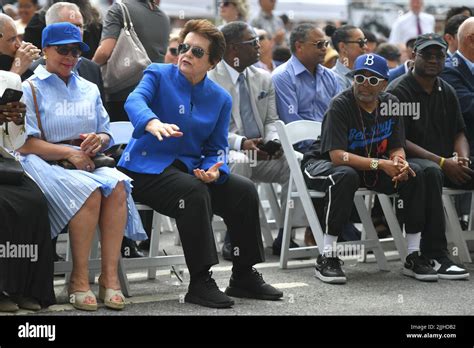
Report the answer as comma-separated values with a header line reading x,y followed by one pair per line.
x,y
411,24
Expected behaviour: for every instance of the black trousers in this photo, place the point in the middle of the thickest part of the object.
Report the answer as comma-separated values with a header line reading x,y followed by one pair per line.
x,y
192,203
340,184
433,242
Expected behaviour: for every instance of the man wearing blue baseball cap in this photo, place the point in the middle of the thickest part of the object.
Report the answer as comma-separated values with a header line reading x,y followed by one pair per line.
x,y
436,141
361,145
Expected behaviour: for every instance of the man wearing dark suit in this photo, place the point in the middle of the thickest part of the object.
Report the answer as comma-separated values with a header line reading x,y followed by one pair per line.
x,y
459,73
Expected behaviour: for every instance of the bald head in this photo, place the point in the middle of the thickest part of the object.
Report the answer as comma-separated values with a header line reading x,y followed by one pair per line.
x,y
466,38
8,36
5,20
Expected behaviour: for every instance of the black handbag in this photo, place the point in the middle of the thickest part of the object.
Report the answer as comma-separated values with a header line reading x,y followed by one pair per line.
x,y
11,171
100,160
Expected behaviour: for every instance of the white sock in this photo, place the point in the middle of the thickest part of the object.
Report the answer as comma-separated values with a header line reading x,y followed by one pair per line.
x,y
413,242
329,241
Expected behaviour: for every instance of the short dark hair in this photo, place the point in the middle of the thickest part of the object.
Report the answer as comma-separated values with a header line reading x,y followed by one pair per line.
x,y
370,36
300,33
234,31
388,51
281,54
411,43
457,10
452,25
208,30
341,34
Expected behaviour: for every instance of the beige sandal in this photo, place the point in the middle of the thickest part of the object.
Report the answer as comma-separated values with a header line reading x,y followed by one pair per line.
x,y
78,300
106,295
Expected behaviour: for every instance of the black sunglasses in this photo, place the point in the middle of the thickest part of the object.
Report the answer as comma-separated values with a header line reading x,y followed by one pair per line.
x,y
320,44
197,52
361,42
173,51
65,50
254,42
428,56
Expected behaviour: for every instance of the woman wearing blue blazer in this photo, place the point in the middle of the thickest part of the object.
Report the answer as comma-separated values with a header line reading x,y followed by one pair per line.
x,y
177,158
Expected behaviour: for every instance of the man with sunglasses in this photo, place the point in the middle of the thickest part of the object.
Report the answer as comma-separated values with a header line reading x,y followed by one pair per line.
x,y
436,141
363,146
350,42
304,87
251,127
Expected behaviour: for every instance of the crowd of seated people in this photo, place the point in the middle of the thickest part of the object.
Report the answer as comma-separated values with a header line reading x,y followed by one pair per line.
x,y
204,114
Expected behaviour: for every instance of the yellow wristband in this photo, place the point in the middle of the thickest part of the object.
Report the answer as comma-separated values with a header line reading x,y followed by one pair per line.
x,y
441,162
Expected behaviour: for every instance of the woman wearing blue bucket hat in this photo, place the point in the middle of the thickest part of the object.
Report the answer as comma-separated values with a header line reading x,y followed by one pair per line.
x,y
66,120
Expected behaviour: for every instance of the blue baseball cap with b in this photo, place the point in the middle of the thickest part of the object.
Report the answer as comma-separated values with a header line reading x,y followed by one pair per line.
x,y
62,34
371,62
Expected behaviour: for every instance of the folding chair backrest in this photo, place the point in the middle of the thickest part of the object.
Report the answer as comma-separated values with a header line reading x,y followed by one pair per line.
x,y
293,133
122,132
302,130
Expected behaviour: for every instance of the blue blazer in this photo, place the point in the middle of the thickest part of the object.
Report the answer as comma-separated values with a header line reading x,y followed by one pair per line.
x,y
202,112
457,74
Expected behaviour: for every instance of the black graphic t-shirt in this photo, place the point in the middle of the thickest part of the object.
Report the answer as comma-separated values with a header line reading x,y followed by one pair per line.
x,y
350,128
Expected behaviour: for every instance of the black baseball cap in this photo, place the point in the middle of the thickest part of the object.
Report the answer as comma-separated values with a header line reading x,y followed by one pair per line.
x,y
430,39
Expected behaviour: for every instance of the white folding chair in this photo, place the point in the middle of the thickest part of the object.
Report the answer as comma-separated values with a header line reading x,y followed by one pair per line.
x,y
291,134
122,132
453,227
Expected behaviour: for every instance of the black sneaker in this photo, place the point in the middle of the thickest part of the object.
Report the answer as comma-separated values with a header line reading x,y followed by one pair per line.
x,y
204,291
417,266
447,269
252,285
328,269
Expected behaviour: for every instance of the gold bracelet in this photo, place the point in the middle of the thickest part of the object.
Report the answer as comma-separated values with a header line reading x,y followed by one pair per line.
x,y
441,162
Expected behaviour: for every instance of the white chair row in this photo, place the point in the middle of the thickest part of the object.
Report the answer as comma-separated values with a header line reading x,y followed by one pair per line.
x,y
298,131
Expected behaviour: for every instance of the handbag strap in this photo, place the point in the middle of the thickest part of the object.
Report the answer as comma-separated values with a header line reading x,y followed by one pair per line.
x,y
38,118
127,19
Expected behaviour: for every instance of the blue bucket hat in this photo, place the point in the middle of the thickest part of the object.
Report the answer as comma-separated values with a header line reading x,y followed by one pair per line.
x,y
62,34
371,62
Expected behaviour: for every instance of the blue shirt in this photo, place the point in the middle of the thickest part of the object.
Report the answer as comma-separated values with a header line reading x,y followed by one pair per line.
x,y
66,111
299,94
202,112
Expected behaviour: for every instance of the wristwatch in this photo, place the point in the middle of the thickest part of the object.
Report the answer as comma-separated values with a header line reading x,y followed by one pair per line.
x,y
374,164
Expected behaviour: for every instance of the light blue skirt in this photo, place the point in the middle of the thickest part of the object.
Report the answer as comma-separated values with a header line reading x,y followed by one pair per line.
x,y
67,190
